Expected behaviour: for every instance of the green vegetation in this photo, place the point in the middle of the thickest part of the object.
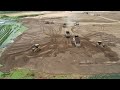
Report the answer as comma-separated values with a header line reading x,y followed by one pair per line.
x,y
5,31
105,76
21,74
29,74
1,74
5,17
9,28
18,74
5,12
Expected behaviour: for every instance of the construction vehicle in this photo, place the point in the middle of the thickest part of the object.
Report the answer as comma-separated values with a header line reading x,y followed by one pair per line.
x,y
76,24
76,40
67,34
48,22
100,44
64,25
36,48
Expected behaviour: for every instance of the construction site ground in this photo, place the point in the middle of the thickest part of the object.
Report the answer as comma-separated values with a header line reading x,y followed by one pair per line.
x,y
58,55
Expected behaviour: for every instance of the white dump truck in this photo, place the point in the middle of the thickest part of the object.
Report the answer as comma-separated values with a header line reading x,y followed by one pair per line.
x,y
76,41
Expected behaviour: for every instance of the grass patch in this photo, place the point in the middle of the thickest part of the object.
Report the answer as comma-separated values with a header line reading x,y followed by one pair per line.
x,y
1,75
21,74
18,74
105,76
6,12
9,30
5,17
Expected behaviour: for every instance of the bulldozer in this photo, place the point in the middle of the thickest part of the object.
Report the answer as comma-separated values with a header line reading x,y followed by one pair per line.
x,y
36,48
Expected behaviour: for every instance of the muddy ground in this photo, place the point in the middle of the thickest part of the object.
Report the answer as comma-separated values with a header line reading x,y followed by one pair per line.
x,y
57,54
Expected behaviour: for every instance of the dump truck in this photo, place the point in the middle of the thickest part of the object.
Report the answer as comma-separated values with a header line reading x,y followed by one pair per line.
x,y
67,34
76,40
64,25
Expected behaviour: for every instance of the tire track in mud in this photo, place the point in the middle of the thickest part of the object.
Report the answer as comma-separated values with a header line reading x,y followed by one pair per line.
x,y
52,49
18,58
108,40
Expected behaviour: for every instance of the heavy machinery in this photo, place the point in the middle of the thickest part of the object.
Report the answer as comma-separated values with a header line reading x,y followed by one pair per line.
x,y
76,24
67,34
64,25
76,41
48,22
36,48
100,44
